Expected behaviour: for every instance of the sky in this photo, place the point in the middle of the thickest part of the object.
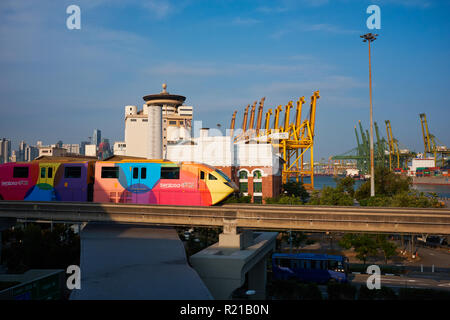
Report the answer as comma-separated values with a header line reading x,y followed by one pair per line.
x,y
61,84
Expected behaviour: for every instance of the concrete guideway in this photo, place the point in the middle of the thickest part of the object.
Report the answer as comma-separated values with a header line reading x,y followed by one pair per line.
x,y
245,216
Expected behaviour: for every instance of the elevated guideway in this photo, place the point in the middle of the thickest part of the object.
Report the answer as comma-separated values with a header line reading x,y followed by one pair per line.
x,y
239,216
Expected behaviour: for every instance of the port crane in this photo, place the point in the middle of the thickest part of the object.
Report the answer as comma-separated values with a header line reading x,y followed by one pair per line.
x,y
293,138
361,154
430,145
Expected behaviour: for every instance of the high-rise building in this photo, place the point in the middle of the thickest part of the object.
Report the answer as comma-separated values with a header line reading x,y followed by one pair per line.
x,y
72,148
97,137
83,147
5,150
31,153
20,154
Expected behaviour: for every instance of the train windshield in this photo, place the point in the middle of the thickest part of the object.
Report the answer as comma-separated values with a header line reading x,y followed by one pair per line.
x,y
223,175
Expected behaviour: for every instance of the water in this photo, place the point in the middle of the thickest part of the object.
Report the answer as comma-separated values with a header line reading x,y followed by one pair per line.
x,y
323,181
441,191
327,181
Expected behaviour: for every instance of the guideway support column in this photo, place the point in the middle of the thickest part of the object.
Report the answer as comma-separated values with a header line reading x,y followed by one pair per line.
x,y
224,265
234,238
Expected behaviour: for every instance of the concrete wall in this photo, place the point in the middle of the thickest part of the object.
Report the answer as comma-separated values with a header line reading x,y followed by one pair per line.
x,y
223,266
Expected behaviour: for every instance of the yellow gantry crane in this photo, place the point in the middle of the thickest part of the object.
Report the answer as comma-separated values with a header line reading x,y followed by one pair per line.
x,y
393,145
293,139
429,142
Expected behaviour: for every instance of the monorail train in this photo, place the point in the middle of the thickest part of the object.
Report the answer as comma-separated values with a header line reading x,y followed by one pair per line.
x,y
124,181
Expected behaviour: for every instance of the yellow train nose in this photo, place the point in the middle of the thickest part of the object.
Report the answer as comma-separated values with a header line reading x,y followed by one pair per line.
x,y
221,190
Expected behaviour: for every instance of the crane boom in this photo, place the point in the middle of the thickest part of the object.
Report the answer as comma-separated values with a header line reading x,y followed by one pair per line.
x,y
260,112
233,121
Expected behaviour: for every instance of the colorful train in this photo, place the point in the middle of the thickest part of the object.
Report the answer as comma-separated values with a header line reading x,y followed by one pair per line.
x,y
118,181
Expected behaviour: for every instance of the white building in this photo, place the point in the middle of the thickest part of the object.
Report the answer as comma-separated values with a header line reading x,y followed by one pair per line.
x,y
163,120
52,151
72,148
120,148
90,150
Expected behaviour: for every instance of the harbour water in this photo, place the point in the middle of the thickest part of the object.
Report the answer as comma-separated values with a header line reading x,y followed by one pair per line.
x,y
442,191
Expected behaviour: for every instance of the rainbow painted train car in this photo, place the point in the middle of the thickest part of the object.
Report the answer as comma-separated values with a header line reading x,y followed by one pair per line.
x,y
119,181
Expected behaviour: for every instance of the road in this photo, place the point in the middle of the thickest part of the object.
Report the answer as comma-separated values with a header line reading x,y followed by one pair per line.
x,y
406,282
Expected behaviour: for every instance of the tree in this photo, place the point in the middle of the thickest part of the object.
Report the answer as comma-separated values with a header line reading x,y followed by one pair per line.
x,y
42,248
365,246
346,185
295,189
331,197
388,248
290,200
294,237
386,184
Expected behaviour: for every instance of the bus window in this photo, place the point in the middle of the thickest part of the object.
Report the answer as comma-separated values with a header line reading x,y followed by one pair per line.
x,y
43,172
315,264
143,173
202,175
286,263
20,172
332,264
307,264
135,173
295,263
50,172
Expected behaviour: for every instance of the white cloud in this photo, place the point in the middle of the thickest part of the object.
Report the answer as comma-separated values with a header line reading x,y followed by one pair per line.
x,y
272,10
329,28
245,21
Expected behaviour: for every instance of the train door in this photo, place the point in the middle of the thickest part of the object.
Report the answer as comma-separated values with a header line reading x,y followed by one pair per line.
x,y
47,172
138,174
202,187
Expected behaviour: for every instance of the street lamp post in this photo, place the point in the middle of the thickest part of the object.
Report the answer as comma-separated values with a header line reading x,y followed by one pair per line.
x,y
369,37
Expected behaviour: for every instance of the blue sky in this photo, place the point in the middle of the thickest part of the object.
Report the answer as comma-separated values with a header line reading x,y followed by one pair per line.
x,y
60,84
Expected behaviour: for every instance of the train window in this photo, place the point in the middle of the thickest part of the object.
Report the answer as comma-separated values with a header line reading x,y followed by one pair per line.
x,y
42,172
50,172
170,173
211,177
135,173
72,172
20,172
143,173
110,172
223,175
202,175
